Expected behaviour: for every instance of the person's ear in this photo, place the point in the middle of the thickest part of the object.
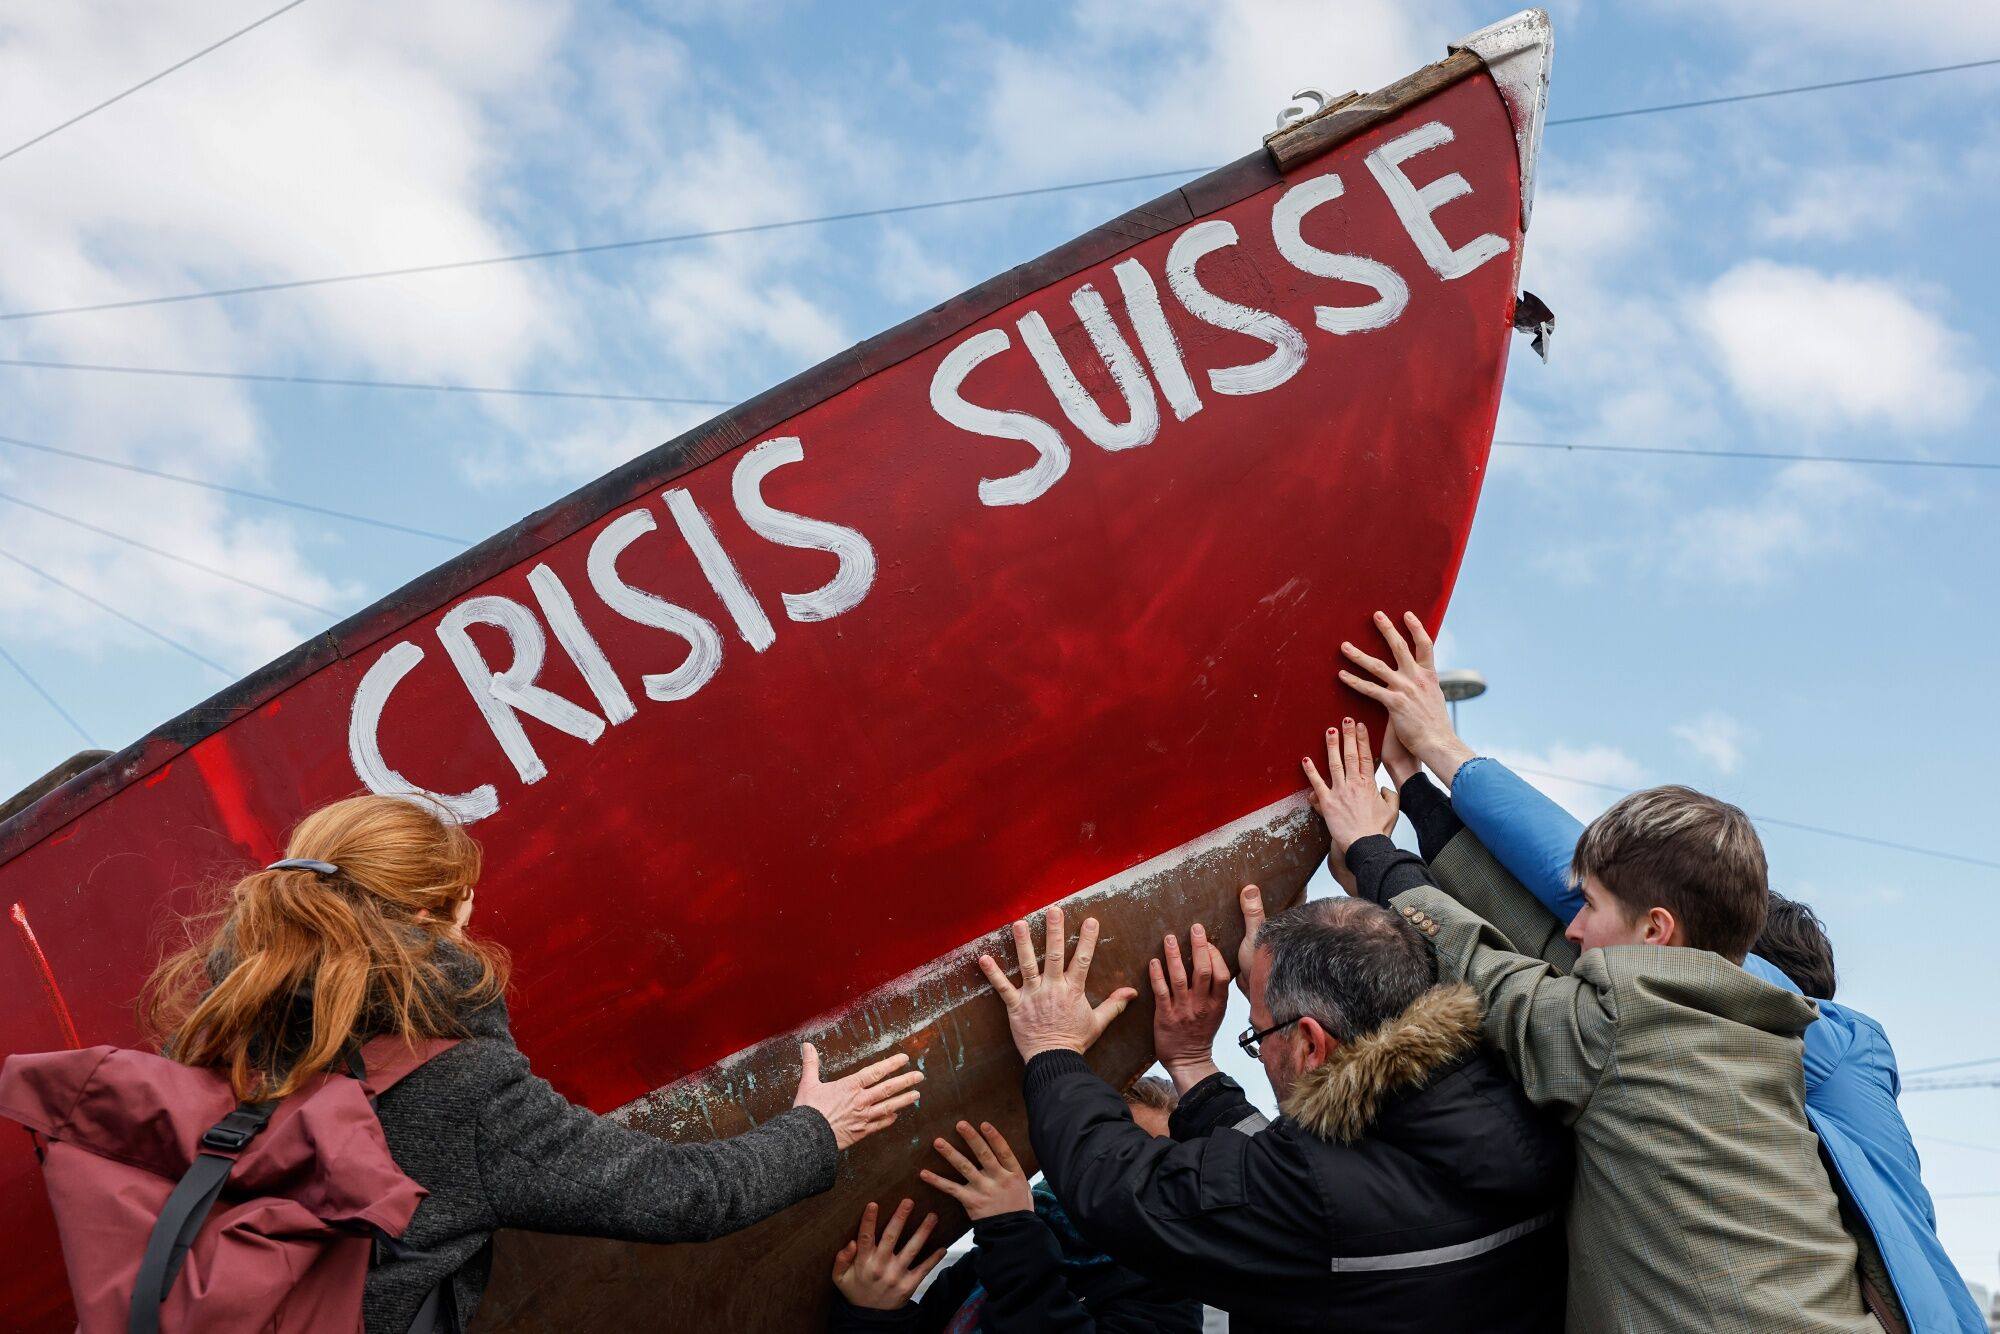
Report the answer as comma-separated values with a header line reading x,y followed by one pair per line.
x,y
1315,1043
1661,928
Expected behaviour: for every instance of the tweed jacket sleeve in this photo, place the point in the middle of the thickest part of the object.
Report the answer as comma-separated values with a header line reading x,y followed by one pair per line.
x,y
550,1166
1469,873
1554,1031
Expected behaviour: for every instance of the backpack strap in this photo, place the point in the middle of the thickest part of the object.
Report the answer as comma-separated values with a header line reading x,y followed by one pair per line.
x,y
188,1206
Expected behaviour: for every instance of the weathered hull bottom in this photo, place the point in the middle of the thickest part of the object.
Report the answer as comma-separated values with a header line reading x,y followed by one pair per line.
x,y
948,1020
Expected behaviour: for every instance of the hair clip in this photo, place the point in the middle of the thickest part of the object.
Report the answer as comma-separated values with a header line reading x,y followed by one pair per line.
x,y
304,864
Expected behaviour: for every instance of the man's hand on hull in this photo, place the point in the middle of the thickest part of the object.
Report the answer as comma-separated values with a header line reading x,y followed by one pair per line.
x,y
864,1102
1187,1007
1050,1011
1409,690
878,1275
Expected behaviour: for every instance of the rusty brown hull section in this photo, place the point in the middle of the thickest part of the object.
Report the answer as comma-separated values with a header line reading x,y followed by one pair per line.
x,y
773,1277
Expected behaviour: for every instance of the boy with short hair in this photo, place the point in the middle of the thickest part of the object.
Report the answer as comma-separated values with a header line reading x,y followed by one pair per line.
x,y
1699,1202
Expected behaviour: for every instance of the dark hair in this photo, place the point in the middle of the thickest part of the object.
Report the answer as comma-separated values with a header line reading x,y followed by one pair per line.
x,y
1348,963
1795,940
1152,1091
1694,855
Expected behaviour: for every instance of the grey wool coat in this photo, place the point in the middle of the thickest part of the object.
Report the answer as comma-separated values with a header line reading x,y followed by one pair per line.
x,y
497,1147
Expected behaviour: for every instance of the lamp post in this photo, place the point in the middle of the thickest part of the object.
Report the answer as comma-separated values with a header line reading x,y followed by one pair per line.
x,y
1461,683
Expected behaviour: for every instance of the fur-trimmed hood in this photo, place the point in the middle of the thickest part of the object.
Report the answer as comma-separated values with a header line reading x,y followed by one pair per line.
x,y
1341,1099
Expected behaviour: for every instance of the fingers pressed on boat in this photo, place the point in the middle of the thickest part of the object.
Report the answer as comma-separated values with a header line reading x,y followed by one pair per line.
x,y
1198,947
865,1234
1001,1149
1368,660
1052,945
1159,980
871,1075
980,1148
1024,951
1176,970
996,977
959,1162
894,1231
890,1088
1380,694
1086,949
1394,638
915,1245
1420,640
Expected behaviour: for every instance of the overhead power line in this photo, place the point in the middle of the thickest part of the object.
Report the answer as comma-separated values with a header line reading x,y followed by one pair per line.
x,y
599,248
1955,1065
348,383
148,82
177,559
110,610
1786,824
1772,92
604,247
1958,1082
220,488
47,698
1876,461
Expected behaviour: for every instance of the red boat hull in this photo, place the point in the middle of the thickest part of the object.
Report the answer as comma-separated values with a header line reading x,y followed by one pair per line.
x,y
877,734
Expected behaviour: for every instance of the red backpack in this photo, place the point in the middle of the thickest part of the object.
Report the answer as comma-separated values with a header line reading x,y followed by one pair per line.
x,y
185,1212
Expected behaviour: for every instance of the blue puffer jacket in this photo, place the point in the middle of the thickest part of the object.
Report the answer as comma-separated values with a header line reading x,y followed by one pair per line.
x,y
1850,1069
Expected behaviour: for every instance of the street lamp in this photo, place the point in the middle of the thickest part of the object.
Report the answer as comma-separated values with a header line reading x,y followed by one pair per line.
x,y
1461,683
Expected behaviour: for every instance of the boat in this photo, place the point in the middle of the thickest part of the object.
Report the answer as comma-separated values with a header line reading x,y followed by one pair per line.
x,y
1034,599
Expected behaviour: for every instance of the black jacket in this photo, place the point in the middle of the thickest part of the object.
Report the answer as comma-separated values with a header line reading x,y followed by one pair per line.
x,y
1038,1277
495,1146
1409,1185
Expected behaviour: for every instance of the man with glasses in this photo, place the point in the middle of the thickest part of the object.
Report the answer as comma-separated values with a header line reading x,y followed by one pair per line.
x,y
1408,1184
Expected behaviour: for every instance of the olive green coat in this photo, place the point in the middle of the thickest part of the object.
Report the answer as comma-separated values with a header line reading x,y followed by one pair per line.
x,y
1700,1202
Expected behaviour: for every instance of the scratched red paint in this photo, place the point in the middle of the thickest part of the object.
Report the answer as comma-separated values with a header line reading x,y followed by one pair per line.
x,y
1029,698
50,991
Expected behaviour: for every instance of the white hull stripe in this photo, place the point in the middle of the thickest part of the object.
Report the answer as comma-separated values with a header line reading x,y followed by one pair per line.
x,y
1443,1255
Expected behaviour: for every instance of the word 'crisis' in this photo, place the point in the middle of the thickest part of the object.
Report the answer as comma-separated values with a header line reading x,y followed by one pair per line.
x,y
1156,369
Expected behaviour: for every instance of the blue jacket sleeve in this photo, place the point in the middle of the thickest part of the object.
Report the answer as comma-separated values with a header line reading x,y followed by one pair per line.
x,y
1525,831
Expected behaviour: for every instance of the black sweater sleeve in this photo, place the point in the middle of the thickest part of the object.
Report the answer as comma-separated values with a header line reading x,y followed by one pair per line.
x,y
1205,1217
1216,1103
1430,812
550,1166
1382,870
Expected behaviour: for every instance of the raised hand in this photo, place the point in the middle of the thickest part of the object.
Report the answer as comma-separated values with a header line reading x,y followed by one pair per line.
x,y
993,1182
864,1102
1251,900
1347,799
1409,691
1049,1011
877,1274
1187,1007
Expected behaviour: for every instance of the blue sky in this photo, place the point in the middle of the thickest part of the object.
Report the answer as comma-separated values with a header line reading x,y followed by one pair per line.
x,y
1809,275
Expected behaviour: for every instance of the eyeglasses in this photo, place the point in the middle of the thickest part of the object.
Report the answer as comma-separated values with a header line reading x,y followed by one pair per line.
x,y
1250,1038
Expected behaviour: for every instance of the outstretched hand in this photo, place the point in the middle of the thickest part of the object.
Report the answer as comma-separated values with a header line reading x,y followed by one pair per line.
x,y
1050,1011
878,1274
864,1102
1409,690
994,1180
1187,1007
1347,799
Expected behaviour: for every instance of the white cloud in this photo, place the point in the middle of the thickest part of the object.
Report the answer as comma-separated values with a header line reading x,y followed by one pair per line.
x,y
1190,83
1827,351
1945,29
1806,510
1583,780
1716,738
1840,201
